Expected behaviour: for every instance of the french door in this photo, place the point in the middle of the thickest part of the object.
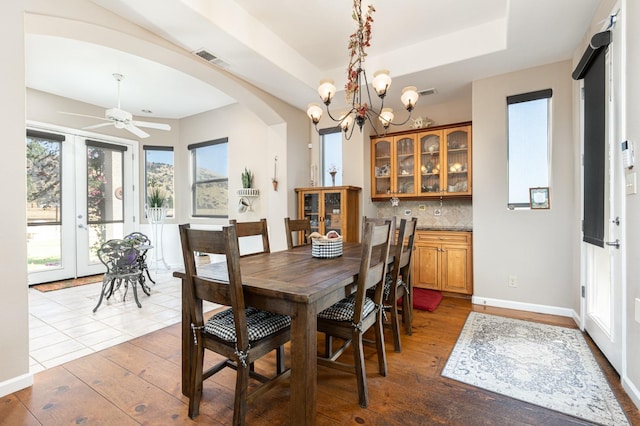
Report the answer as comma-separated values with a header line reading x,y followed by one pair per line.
x,y
603,266
80,193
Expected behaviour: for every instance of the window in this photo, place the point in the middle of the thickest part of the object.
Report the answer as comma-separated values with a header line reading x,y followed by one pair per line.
x,y
528,144
210,190
158,174
331,151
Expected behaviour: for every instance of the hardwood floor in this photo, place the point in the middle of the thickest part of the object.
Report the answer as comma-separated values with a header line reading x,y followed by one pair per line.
x,y
138,382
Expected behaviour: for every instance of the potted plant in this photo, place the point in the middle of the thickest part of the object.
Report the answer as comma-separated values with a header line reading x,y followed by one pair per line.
x,y
247,178
155,195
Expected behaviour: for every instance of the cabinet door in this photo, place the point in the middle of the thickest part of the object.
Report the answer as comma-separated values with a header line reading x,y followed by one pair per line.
x,y
405,166
381,167
458,160
426,267
429,145
311,202
456,268
332,208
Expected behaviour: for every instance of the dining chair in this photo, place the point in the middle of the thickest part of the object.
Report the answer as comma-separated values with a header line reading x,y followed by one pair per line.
x,y
398,281
352,316
143,244
250,229
121,259
380,221
240,333
302,229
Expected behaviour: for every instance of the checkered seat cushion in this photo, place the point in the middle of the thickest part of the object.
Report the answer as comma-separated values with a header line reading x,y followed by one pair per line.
x,y
343,310
260,324
387,285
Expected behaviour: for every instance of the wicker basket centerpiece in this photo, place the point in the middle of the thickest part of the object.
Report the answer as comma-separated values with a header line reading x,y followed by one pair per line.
x,y
325,246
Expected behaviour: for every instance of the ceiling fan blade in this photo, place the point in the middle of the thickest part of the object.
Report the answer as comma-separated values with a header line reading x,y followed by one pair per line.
x,y
95,126
138,132
160,126
84,115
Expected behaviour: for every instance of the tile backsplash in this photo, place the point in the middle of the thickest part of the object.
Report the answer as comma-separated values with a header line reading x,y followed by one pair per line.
x,y
454,213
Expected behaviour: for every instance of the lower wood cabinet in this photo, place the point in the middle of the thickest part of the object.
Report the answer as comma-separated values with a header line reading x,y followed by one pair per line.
x,y
443,261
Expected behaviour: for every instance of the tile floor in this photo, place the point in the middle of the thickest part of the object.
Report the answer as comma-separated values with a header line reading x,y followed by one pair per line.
x,y
62,326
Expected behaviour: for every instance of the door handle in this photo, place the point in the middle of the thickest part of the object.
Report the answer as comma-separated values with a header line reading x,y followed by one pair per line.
x,y
615,243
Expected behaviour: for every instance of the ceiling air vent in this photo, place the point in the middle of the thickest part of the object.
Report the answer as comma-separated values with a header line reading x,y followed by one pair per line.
x,y
211,58
427,92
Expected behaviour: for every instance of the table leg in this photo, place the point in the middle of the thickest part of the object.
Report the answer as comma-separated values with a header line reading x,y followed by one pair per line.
x,y
304,386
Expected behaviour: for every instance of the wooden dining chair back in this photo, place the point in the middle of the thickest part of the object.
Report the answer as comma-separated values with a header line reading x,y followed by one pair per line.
x,y
380,221
252,229
302,230
241,334
352,316
398,281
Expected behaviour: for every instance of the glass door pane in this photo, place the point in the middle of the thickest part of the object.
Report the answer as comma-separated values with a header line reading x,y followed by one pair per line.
x,y
430,163
105,195
457,161
312,210
44,204
382,167
332,212
405,162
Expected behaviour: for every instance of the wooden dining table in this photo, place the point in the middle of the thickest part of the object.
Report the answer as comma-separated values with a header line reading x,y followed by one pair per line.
x,y
294,283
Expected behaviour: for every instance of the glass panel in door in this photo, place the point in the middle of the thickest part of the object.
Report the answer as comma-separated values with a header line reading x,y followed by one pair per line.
x,y
405,161
105,195
430,163
44,205
382,167
312,210
332,221
457,161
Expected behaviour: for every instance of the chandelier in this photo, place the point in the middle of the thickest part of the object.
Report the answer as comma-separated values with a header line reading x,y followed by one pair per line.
x,y
357,92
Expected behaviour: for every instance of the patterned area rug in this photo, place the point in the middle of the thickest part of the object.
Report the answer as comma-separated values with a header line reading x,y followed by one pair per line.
x,y
58,285
545,365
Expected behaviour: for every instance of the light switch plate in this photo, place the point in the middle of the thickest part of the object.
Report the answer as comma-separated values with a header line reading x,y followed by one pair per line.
x,y
631,184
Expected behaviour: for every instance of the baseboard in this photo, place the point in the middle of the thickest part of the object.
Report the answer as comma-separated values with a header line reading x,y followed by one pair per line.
x,y
632,391
15,384
529,307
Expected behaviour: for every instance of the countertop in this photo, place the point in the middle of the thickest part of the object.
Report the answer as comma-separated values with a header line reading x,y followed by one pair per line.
x,y
445,228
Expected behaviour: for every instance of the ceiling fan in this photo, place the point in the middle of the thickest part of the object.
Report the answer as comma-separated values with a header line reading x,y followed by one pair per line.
x,y
122,119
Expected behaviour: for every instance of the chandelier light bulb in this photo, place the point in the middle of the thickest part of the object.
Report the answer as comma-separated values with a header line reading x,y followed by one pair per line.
x,y
409,97
386,117
346,122
314,112
326,90
381,82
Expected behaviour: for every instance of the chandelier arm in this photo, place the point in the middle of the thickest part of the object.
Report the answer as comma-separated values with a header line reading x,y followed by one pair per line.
x,y
350,132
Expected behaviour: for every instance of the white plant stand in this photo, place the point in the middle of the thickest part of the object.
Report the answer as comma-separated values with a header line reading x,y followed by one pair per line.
x,y
156,217
248,195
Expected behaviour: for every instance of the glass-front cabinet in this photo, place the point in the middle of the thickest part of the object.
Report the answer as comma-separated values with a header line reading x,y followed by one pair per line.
x,y
433,162
332,208
394,160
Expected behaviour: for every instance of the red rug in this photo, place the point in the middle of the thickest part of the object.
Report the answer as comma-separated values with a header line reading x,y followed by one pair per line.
x,y
425,299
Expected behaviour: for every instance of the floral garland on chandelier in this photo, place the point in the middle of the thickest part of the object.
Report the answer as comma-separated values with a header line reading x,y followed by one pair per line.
x,y
360,39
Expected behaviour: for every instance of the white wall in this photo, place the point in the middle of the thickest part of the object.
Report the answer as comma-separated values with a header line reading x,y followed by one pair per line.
x,y
14,321
534,245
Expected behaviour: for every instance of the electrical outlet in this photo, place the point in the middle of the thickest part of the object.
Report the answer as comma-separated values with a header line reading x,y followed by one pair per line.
x,y
437,212
407,212
513,281
422,207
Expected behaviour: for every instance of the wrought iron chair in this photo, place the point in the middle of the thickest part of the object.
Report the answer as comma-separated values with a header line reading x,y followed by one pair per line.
x,y
301,228
123,266
250,229
143,244
351,317
241,334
